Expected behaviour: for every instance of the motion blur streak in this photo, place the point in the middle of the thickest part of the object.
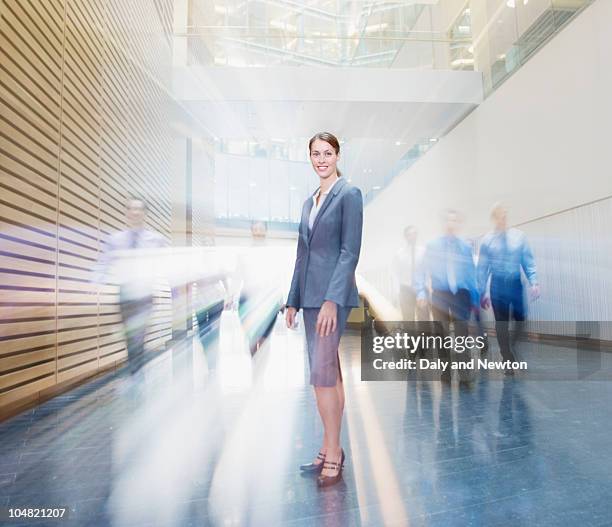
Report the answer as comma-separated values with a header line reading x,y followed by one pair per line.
x,y
217,440
257,451
162,446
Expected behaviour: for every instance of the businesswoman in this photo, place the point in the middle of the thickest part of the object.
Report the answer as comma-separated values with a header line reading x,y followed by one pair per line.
x,y
323,286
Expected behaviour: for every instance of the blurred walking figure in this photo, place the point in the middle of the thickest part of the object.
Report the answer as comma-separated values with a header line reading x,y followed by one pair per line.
x,y
476,311
259,233
260,291
407,259
125,262
503,253
449,263
324,287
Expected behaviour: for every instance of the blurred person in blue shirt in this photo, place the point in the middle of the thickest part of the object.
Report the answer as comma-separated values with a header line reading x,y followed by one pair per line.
x,y
449,264
476,311
503,254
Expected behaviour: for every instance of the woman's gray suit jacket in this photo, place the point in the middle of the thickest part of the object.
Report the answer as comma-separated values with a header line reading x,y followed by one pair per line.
x,y
327,254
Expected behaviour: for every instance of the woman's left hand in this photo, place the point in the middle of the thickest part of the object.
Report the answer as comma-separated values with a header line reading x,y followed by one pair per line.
x,y
327,319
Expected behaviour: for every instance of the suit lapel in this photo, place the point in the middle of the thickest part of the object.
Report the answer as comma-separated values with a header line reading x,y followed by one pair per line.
x,y
330,197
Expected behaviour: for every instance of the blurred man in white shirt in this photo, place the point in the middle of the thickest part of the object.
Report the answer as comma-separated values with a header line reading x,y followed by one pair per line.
x,y
127,261
406,262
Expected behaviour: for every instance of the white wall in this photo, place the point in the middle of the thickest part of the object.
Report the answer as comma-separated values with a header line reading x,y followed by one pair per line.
x,y
574,255
539,143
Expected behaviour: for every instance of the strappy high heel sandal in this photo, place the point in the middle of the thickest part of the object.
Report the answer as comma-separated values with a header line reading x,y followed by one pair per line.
x,y
328,481
314,467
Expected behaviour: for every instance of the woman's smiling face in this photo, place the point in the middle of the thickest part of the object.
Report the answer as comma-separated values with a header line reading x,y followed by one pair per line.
x,y
323,158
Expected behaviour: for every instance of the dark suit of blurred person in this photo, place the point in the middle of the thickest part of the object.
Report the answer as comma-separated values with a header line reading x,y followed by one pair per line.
x,y
123,259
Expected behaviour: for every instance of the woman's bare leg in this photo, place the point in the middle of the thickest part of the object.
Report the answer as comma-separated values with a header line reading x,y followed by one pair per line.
x,y
330,402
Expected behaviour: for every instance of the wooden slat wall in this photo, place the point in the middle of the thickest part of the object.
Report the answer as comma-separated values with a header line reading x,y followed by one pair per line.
x,y
83,124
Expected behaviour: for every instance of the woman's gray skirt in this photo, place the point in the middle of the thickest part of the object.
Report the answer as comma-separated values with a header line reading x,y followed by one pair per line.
x,y
323,351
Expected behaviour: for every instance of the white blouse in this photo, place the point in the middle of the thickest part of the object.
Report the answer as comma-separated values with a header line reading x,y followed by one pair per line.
x,y
316,208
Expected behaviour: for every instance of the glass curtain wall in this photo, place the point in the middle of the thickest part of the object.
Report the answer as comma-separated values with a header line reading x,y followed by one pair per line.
x,y
268,178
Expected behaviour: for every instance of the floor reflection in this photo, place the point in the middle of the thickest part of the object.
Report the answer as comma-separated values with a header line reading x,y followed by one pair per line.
x,y
181,444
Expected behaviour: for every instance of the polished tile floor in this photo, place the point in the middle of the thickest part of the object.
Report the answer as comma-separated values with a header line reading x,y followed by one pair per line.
x,y
179,445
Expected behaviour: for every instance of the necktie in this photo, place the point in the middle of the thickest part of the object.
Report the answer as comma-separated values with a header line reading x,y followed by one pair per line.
x,y
505,256
450,266
133,239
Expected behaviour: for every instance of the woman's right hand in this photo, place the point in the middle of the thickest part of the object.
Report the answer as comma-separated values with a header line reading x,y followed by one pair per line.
x,y
290,317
